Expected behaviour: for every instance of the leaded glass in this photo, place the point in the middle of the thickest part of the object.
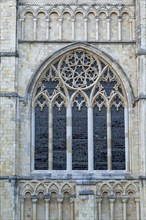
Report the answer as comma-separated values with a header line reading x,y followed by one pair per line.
x,y
59,138
41,138
79,79
79,138
118,138
100,138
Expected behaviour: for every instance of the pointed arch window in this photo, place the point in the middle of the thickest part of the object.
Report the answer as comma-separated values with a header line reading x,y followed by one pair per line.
x,y
79,115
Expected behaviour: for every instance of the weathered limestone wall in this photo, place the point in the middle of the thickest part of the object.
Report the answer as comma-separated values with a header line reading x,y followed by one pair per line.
x,y
84,199
141,64
8,121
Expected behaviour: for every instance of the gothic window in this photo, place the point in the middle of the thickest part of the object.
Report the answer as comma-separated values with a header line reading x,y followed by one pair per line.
x,y
79,114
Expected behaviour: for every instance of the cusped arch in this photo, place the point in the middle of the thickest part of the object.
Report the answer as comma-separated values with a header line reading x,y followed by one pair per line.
x,y
114,66
27,188
54,187
131,187
67,187
117,188
105,188
40,188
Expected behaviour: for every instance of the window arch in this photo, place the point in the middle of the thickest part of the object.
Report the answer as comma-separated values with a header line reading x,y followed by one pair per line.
x,y
79,105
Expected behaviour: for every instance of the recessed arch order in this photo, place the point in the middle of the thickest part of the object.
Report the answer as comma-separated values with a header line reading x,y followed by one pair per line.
x,y
84,95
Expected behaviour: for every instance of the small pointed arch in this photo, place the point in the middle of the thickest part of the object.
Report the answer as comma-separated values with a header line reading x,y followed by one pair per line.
x,y
131,187
40,188
117,188
83,99
27,188
54,187
59,100
41,99
114,66
67,187
105,188
117,100
99,100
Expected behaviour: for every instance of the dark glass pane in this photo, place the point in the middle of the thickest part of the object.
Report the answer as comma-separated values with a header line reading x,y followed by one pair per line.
x,y
79,139
59,138
41,138
118,138
100,138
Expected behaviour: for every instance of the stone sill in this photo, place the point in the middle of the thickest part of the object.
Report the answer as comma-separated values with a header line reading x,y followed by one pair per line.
x,y
81,177
92,42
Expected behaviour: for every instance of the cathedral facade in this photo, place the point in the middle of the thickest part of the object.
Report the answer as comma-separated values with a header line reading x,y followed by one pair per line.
x,y
73,110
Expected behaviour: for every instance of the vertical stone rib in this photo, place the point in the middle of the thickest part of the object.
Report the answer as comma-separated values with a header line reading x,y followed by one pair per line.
x,y
90,139
109,147
50,138
69,138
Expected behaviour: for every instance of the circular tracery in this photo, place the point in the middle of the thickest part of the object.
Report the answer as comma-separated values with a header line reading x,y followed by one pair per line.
x,y
79,69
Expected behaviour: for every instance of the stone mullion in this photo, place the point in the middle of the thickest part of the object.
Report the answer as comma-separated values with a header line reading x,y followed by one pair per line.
x,y
90,138
109,146
97,29
126,139
119,29
73,28
50,139
69,138
33,139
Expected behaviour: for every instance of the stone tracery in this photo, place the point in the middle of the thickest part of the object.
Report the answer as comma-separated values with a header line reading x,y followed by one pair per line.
x,y
80,82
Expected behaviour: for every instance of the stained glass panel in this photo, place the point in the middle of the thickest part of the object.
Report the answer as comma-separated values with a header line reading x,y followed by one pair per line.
x,y
79,139
118,138
100,138
59,138
41,138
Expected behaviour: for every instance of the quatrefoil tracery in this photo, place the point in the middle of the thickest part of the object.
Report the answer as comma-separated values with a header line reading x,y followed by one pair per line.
x,y
80,72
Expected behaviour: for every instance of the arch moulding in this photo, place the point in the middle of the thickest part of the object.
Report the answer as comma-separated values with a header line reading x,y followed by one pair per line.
x,y
43,67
